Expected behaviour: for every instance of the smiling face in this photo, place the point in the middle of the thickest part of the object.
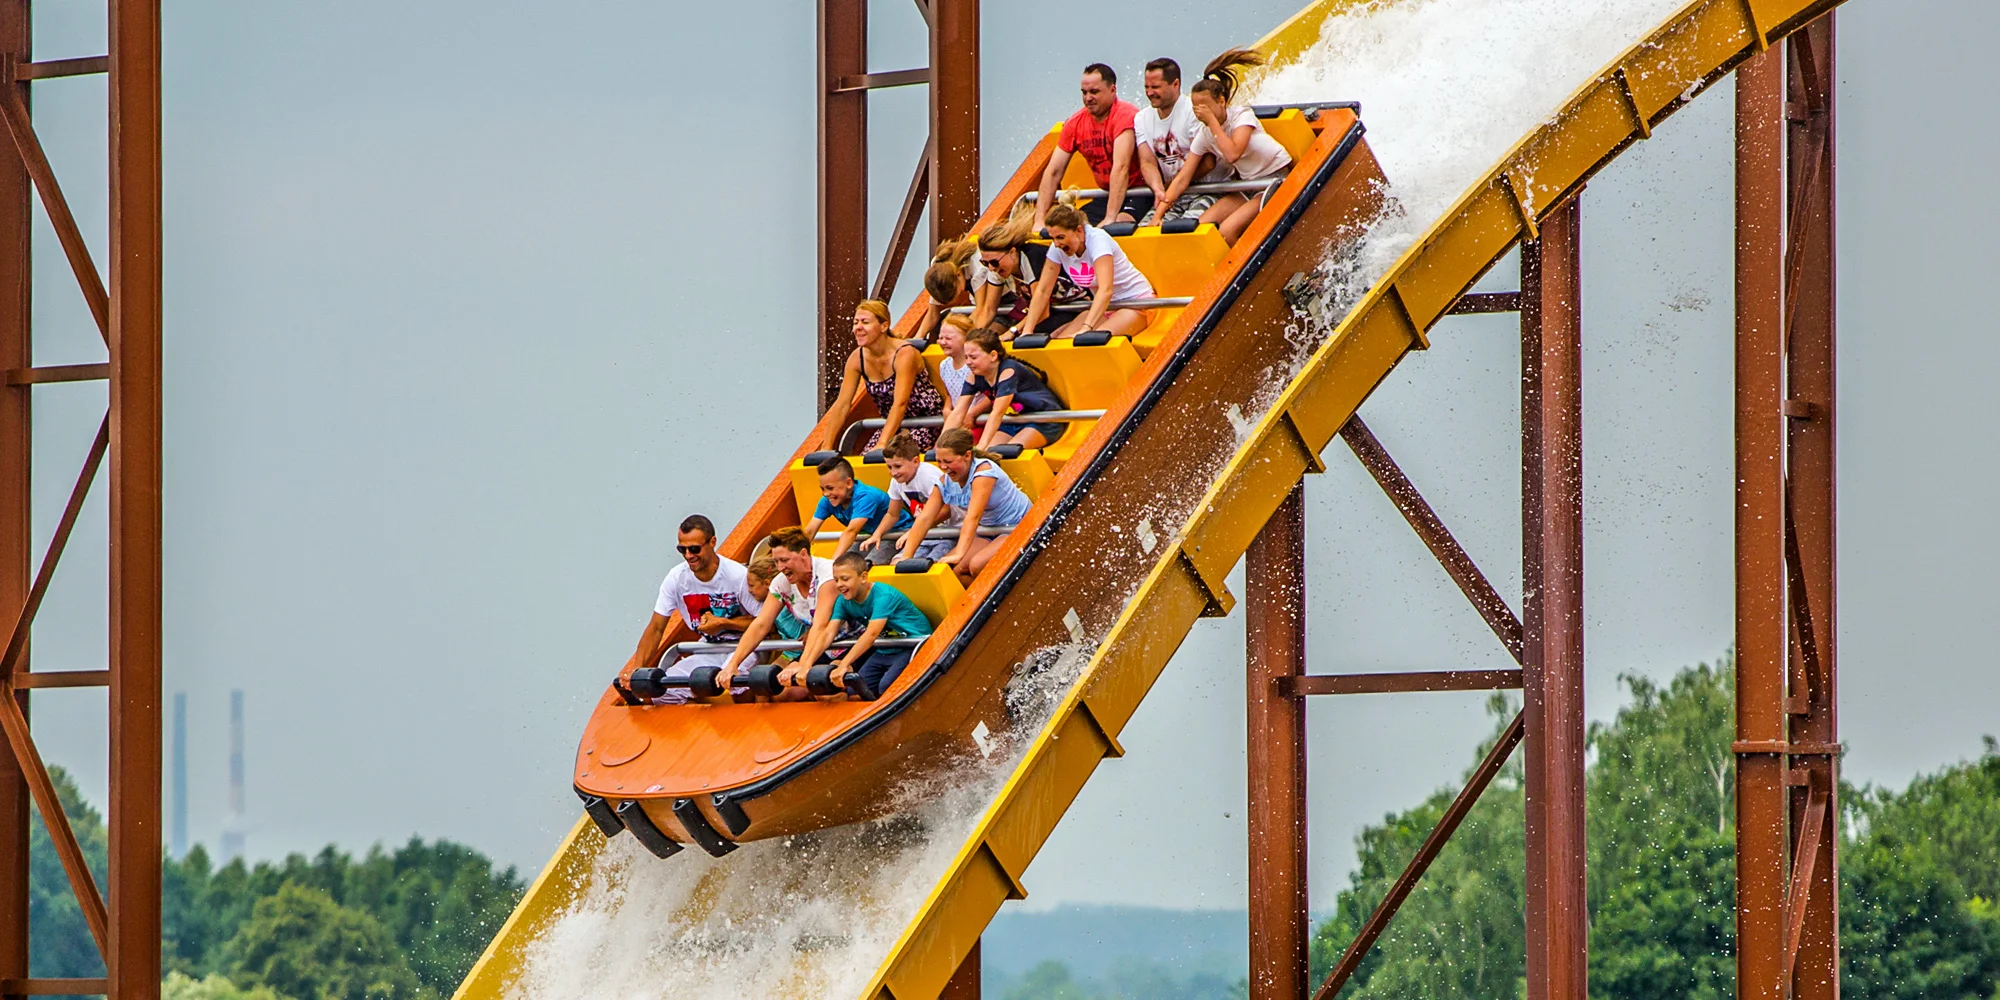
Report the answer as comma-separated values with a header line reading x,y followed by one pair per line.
x,y
868,327
1098,96
1070,240
797,566
1159,93
958,464
903,470
981,361
1006,262
836,486
852,585
698,550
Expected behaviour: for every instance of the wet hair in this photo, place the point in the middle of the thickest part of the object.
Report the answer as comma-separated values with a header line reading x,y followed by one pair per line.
x,y
902,446
945,278
697,522
876,308
960,441
1105,73
836,464
1066,217
1018,229
1225,73
762,568
790,539
1170,70
854,561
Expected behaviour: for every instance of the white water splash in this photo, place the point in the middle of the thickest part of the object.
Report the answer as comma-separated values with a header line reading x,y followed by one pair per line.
x,y
807,916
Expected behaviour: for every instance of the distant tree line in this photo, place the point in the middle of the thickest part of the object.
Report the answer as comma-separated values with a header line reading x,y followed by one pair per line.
x,y
405,924
1920,870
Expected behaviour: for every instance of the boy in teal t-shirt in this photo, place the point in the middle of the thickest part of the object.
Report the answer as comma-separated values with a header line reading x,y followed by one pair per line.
x,y
865,670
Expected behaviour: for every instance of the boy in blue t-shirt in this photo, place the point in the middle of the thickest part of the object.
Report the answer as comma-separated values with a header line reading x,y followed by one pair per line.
x,y
865,670
856,505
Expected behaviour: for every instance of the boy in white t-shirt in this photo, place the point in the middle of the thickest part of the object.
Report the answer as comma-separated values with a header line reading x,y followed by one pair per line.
x,y
1166,133
708,592
913,483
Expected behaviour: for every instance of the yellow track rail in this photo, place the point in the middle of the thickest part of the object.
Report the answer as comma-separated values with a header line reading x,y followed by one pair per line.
x,y
1651,81
1620,106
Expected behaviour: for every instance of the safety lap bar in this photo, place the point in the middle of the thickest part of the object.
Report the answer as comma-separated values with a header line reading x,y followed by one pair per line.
x,y
674,652
1217,187
1159,303
938,533
1025,417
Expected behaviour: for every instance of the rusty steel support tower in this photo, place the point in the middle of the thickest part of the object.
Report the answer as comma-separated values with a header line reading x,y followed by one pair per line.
x,y
946,179
1787,739
124,916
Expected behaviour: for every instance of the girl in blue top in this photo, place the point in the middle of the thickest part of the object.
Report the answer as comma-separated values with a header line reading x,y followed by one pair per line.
x,y
975,487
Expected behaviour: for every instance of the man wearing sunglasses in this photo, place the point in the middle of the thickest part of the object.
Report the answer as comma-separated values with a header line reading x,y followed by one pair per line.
x,y
709,592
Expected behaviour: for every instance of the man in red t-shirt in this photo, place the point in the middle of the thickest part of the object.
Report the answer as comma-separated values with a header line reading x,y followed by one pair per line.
x,y
1102,132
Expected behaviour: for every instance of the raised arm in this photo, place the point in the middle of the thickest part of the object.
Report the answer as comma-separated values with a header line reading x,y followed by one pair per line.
x,y
1051,176
1100,293
652,643
975,508
1121,174
927,518
1038,304
746,647
1149,169
908,366
850,386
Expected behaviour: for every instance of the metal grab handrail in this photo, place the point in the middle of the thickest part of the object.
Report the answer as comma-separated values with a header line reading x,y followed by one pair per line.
x,y
1162,302
940,534
673,654
1024,417
1212,187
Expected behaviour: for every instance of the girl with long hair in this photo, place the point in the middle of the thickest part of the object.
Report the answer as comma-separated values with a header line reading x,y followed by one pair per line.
x,y
980,494
1007,387
1235,137
1090,258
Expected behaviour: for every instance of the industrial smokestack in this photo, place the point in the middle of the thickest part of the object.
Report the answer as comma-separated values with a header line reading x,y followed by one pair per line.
x,y
179,847
232,831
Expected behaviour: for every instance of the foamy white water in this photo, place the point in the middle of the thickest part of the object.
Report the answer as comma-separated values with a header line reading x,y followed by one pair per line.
x,y
1447,87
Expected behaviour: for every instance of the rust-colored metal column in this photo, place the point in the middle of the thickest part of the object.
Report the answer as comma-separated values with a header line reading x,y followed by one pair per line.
x,y
16,544
1812,930
1552,619
134,814
1760,538
843,185
1275,622
955,197
964,984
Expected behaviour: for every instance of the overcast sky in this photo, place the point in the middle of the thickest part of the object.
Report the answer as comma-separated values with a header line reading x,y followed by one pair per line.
x,y
468,303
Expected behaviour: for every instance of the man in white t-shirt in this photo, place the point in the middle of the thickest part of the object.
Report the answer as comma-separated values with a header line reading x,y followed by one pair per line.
x,y
1166,133
708,592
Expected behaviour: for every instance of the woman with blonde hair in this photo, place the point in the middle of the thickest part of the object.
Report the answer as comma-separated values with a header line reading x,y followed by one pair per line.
x,y
956,277
890,371
1234,137
1015,265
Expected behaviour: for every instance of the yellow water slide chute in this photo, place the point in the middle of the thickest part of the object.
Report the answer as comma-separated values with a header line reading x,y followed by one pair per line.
x,y
1618,106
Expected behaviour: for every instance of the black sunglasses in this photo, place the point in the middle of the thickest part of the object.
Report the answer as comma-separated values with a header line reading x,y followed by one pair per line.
x,y
688,550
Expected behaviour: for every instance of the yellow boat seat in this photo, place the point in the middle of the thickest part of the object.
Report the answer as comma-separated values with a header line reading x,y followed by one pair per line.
x,y
1149,339
1292,131
933,591
1085,377
1176,263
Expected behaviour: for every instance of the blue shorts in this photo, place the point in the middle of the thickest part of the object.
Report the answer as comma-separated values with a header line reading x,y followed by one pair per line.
x,y
1052,432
